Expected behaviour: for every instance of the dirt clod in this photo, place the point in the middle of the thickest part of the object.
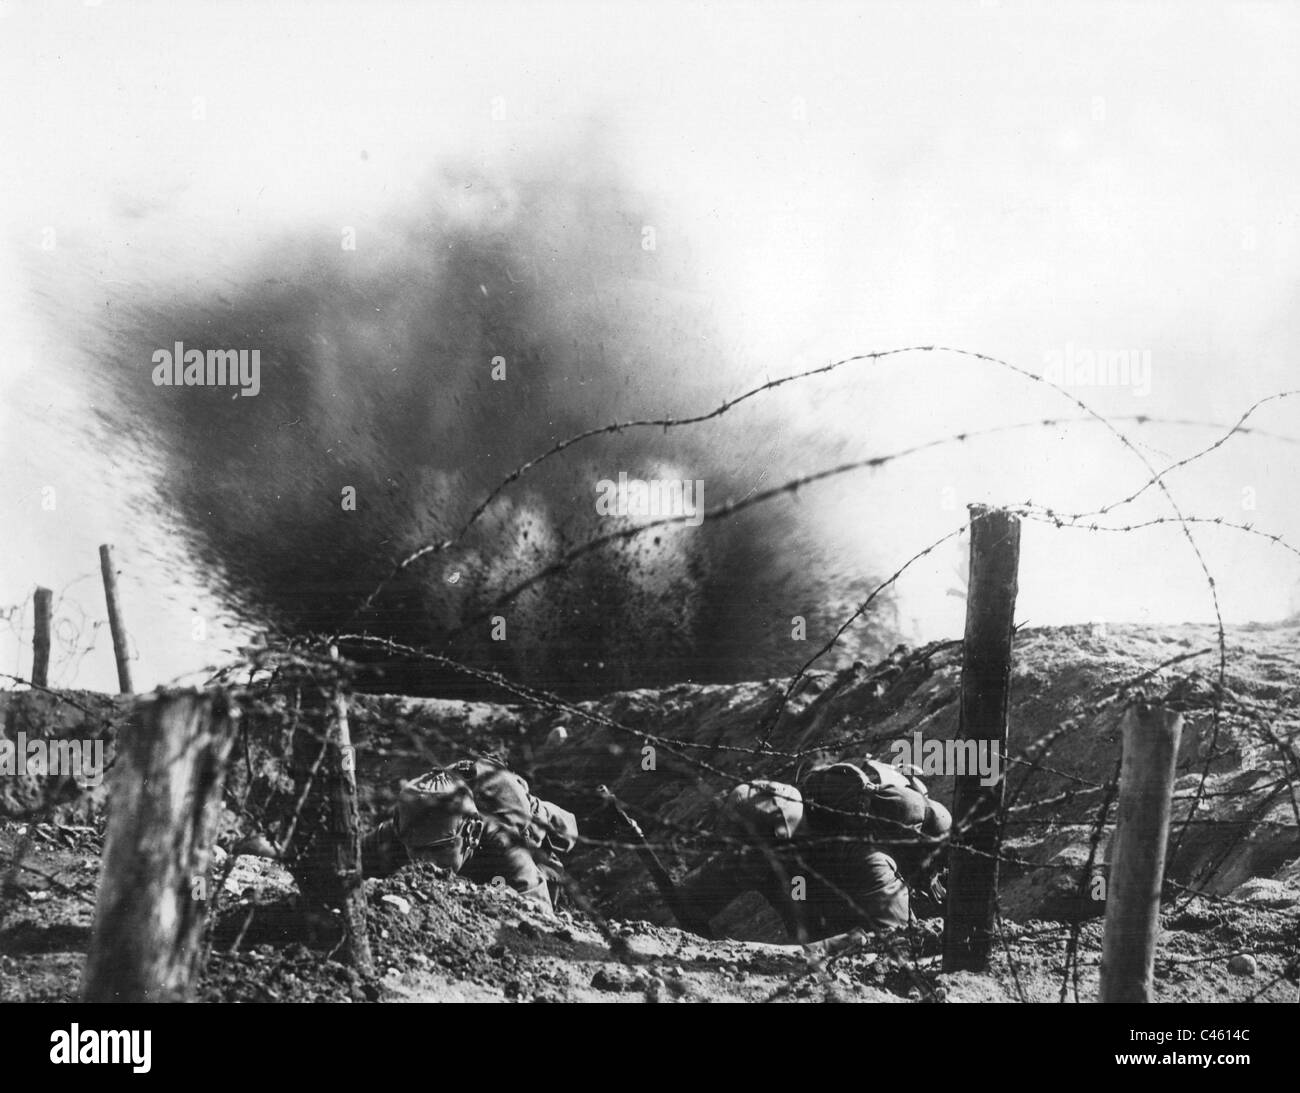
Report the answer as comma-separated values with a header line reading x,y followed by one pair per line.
x,y
1242,964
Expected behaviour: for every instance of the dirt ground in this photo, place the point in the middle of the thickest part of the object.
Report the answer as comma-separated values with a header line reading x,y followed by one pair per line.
x,y
441,939
437,938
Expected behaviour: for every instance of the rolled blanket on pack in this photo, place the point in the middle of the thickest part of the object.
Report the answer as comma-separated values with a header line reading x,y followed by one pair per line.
x,y
437,820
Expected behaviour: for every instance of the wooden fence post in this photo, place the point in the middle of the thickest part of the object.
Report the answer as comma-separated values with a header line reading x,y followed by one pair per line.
x,y
164,809
115,623
41,639
346,825
1137,860
985,684
324,853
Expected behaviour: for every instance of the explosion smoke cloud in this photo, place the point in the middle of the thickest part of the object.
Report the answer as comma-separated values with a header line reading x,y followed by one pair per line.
x,y
506,309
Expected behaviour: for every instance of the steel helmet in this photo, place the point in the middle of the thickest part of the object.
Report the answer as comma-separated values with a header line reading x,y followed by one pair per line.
x,y
771,810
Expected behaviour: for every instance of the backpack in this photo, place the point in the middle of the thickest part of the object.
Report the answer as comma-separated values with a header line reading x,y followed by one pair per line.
x,y
842,799
434,810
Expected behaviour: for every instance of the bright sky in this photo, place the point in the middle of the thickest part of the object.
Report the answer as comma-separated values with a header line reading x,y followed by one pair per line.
x,y
1019,180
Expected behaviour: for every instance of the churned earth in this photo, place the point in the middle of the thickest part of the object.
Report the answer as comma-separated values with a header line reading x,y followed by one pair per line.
x,y
439,938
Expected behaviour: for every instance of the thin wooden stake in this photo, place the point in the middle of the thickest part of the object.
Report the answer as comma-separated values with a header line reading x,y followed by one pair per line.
x,y
164,809
324,853
41,639
115,623
1137,862
985,685
346,824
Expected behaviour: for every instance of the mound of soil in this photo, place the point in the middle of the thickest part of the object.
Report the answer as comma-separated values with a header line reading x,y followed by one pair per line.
x,y
1069,685
440,938
437,938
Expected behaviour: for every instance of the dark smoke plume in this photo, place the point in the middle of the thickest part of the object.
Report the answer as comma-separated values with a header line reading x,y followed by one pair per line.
x,y
377,375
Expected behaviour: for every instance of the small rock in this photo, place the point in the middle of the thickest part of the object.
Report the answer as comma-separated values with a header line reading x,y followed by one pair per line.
x,y
615,978
557,736
1242,964
402,905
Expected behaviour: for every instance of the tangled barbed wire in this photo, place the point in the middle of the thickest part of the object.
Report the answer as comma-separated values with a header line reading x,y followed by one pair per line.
x,y
1088,520
728,764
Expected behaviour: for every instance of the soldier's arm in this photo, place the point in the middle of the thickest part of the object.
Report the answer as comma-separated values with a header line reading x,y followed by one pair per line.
x,y
557,827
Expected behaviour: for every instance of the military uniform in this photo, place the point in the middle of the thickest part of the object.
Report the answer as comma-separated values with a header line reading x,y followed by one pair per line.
x,y
825,855
524,838
478,819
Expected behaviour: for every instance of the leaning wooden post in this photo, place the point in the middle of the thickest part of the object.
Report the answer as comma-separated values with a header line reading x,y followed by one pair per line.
x,y
985,684
41,639
1137,862
164,809
324,853
345,817
115,623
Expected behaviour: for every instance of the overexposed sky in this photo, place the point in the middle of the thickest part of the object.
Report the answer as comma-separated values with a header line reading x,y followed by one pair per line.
x,y
1010,178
